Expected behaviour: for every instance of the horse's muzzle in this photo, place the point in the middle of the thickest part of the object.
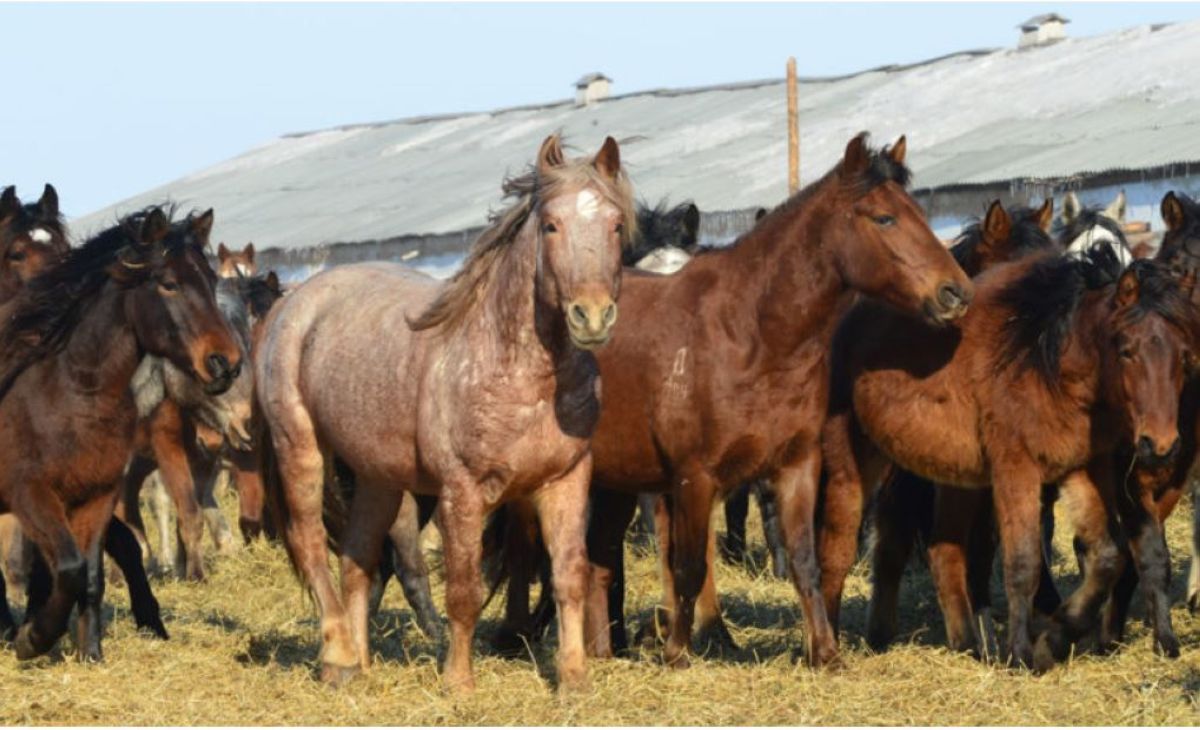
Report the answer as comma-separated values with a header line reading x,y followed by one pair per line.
x,y
221,373
950,303
590,321
1152,455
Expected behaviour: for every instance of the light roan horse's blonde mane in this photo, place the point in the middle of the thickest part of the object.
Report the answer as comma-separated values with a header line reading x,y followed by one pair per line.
x,y
475,277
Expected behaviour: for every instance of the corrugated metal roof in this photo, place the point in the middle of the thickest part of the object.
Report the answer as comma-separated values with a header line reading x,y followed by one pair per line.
x,y
1125,100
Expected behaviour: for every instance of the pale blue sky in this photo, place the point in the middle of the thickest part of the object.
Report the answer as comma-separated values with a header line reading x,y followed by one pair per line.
x,y
106,101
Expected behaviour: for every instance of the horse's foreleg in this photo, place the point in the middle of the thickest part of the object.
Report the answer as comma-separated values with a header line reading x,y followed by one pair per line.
x,y
89,523
710,624
44,521
164,561
210,474
1090,506
1016,491
167,441
691,514
895,535
562,512
956,517
122,546
610,515
460,518
128,509
411,569
1147,542
372,512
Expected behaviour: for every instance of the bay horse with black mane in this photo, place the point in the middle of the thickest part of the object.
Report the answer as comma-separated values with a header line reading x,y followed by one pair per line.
x,y
484,390
31,237
1060,362
956,524
71,343
719,377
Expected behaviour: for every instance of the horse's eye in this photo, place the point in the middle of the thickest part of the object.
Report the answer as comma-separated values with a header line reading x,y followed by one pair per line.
x,y
1127,353
549,228
620,229
16,255
168,287
884,220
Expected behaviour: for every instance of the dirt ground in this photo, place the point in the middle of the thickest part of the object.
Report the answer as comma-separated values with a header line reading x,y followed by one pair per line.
x,y
243,649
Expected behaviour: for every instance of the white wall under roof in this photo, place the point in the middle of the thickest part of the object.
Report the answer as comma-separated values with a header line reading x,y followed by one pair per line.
x,y
1126,100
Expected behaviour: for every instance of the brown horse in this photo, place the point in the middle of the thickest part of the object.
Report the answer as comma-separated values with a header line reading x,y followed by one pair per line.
x,y
956,523
31,237
1060,361
71,346
232,264
484,390
718,376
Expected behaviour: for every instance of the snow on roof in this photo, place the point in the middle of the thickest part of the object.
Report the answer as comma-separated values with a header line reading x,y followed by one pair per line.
x,y
1120,101
1037,20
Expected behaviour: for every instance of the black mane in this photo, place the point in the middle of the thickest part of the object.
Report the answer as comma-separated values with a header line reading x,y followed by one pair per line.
x,y
1044,300
1025,237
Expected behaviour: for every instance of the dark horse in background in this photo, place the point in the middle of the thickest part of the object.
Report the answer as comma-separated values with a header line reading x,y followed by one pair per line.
x,y
71,342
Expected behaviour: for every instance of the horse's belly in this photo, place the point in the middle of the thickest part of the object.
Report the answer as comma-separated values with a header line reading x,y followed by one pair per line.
x,y
932,431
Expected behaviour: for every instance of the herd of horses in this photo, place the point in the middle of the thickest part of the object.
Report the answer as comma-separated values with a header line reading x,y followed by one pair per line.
x,y
838,356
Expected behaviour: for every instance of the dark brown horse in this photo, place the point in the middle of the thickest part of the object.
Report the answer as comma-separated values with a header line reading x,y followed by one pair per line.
x,y
70,346
956,524
31,237
1059,363
719,377
482,390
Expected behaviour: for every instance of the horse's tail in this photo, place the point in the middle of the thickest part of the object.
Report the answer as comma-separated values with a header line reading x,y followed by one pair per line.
x,y
495,552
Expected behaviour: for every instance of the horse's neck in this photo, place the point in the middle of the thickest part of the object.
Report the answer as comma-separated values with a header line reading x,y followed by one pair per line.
x,y
784,281
102,354
518,331
1080,363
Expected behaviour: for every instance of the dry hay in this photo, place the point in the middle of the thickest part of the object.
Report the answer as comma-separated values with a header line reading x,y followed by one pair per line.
x,y
243,646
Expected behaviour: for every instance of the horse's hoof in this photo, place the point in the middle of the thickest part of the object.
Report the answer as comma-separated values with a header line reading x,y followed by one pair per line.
x,y
335,676
459,685
1167,646
90,656
24,645
154,626
676,659
573,682
879,639
509,643
1044,654
716,637
1020,658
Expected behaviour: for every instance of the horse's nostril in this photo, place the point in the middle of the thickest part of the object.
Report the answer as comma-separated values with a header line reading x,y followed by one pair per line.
x,y
235,371
950,295
609,314
218,365
579,314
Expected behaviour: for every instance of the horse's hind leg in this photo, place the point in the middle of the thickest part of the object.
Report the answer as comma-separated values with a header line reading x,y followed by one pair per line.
x,y
166,557
520,552
737,508
210,474
609,518
128,509
956,519
167,439
772,529
411,568
562,512
372,512
1089,504
895,535
122,546
1016,492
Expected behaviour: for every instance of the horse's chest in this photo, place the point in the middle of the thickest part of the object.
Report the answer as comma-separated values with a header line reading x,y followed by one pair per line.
x,y
94,450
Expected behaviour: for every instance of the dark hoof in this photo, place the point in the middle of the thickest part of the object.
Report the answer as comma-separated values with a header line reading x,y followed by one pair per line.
x,y
716,638
510,643
24,644
154,626
879,639
336,676
91,656
1046,653
1020,657
1167,646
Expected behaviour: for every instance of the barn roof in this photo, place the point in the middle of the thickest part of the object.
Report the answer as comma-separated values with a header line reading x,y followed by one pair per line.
x,y
1126,100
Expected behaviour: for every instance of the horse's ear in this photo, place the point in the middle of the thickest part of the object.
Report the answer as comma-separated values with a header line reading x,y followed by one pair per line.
x,y
608,159
691,219
996,224
1045,214
202,226
272,282
898,150
48,204
1071,207
760,214
1127,289
1116,209
222,252
248,252
856,158
550,155
9,202
1173,214
154,227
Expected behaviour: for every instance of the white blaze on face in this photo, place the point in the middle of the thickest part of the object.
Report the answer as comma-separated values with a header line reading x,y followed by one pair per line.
x,y
40,235
243,269
587,204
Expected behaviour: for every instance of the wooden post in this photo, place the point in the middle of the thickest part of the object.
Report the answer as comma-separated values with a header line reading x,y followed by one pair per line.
x,y
793,129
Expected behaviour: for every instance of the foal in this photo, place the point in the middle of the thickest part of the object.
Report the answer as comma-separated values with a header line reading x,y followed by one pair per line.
x,y
482,390
74,340
1060,361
